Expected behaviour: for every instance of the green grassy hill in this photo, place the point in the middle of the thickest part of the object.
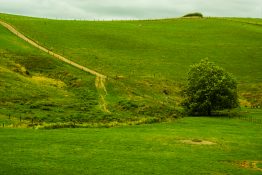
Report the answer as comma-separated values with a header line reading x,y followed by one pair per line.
x,y
147,61
162,47
33,85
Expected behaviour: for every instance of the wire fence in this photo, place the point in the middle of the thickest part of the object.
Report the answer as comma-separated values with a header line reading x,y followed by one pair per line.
x,y
16,122
247,118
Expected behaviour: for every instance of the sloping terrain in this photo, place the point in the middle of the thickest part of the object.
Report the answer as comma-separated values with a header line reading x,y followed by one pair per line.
x,y
146,61
163,48
33,85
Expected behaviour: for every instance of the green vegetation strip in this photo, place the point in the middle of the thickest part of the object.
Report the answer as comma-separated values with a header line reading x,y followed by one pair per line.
x,y
144,149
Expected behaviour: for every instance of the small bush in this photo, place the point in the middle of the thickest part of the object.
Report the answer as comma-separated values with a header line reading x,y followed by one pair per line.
x,y
20,69
196,14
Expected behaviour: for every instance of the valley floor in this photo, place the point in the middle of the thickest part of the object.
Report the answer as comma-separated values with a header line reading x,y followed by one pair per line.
x,y
165,148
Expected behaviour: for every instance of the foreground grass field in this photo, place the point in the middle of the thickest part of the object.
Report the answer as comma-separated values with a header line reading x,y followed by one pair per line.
x,y
144,149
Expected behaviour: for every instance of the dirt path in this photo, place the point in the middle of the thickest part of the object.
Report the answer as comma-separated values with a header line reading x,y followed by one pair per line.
x,y
100,78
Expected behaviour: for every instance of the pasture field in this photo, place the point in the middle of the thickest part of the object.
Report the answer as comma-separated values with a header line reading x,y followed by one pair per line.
x,y
147,61
35,85
143,149
164,48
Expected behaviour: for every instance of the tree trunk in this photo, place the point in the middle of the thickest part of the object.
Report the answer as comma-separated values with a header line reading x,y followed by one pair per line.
x,y
209,111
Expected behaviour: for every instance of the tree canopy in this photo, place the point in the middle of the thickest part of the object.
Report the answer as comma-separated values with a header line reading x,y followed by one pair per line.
x,y
209,88
196,14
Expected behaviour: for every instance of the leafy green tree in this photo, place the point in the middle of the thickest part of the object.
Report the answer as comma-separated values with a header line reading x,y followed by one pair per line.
x,y
209,88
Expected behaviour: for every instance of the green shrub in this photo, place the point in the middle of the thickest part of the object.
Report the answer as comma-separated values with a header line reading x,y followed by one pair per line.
x,y
196,14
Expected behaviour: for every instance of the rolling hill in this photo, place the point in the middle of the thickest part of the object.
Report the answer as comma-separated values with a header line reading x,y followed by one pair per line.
x,y
146,62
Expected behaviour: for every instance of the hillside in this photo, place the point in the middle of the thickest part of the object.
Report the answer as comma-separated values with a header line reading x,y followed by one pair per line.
x,y
165,47
33,85
146,61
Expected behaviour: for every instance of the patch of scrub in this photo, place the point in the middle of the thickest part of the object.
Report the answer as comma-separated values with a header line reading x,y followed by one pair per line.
x,y
48,81
20,69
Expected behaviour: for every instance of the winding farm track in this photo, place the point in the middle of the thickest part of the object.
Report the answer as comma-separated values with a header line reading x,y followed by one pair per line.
x,y
100,78
33,43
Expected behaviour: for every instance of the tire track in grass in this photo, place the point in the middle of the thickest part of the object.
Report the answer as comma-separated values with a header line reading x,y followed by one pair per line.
x,y
100,78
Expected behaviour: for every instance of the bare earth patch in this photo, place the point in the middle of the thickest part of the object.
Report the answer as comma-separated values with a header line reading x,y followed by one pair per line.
x,y
198,142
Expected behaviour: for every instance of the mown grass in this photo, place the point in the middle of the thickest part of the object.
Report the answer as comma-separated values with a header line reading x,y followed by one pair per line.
x,y
144,149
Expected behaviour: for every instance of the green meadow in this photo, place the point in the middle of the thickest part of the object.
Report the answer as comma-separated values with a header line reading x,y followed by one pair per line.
x,y
143,130
164,48
36,86
143,149
148,60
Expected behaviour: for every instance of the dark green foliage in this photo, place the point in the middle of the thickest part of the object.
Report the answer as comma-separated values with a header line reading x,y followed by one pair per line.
x,y
196,14
209,88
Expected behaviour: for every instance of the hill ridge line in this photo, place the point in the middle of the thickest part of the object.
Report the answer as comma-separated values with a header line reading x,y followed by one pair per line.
x,y
33,43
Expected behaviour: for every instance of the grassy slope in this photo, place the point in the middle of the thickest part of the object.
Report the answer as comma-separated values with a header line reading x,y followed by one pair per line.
x,y
145,149
34,85
154,56
165,47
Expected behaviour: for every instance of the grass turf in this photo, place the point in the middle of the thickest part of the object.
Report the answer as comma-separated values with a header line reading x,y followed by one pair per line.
x,y
144,149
